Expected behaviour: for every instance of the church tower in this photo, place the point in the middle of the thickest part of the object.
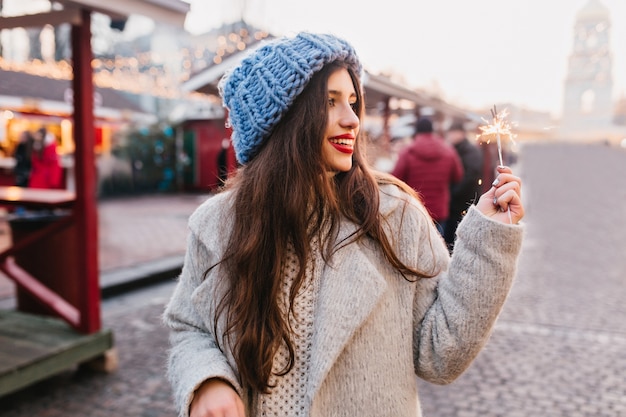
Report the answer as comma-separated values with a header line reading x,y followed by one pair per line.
x,y
588,87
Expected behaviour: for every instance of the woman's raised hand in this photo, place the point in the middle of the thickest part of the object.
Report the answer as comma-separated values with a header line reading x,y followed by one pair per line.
x,y
503,201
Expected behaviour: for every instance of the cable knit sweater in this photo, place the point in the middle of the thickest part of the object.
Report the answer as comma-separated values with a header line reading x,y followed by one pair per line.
x,y
288,397
372,330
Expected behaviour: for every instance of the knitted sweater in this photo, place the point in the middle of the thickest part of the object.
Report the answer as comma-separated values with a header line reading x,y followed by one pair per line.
x,y
373,330
288,396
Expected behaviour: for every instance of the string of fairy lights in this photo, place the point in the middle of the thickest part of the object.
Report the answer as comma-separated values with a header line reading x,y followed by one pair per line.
x,y
148,72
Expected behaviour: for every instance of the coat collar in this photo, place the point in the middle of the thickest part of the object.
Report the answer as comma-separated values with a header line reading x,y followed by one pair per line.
x,y
350,289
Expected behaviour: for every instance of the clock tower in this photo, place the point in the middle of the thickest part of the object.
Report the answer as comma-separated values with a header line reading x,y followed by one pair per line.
x,y
589,85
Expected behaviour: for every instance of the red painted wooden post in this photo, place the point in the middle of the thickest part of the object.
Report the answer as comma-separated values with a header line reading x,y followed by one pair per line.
x,y
85,210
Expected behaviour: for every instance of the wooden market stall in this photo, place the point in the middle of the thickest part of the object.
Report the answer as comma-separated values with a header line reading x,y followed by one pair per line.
x,y
57,324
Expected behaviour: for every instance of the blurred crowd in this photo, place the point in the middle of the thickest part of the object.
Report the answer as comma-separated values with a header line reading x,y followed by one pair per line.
x,y
37,163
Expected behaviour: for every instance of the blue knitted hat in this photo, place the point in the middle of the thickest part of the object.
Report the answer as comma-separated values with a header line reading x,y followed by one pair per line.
x,y
259,91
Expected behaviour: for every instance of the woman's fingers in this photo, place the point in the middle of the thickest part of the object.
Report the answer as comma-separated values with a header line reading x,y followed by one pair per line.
x,y
504,178
506,199
504,169
503,201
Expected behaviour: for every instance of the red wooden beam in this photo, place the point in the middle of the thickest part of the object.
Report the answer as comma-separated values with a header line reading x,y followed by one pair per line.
x,y
85,209
36,236
46,296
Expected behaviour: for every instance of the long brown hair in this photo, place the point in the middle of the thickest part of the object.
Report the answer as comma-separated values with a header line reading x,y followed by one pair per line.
x,y
282,198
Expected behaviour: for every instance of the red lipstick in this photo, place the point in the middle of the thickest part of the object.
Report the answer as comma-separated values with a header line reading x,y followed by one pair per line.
x,y
341,147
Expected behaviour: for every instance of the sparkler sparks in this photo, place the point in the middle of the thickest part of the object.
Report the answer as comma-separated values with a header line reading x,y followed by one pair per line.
x,y
499,129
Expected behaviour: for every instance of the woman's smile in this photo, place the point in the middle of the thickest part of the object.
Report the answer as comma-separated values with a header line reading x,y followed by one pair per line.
x,y
343,143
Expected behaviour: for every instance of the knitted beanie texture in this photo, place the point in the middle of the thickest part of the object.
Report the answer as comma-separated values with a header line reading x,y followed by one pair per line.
x,y
259,91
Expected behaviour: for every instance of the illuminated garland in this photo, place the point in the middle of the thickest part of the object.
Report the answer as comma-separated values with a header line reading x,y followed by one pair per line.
x,y
144,73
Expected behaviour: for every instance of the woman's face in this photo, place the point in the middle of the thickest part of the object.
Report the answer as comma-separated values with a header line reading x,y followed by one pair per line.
x,y
343,124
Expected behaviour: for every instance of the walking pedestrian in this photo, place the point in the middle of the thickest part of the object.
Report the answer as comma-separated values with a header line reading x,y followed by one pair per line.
x,y
464,193
430,166
313,285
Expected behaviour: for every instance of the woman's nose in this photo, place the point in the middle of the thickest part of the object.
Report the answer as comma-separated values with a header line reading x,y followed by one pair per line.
x,y
349,118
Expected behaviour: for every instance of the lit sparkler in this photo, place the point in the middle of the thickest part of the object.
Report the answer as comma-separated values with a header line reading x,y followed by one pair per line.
x,y
499,129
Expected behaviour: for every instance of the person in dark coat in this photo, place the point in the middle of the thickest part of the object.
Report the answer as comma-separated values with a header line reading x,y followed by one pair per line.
x,y
467,191
429,165
22,156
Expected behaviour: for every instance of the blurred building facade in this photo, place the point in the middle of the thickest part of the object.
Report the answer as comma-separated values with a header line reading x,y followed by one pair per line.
x,y
589,108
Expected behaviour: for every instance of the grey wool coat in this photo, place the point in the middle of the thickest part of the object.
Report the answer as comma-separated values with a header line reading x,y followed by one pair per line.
x,y
374,331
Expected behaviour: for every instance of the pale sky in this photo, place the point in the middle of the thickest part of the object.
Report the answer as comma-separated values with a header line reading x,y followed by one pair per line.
x,y
476,52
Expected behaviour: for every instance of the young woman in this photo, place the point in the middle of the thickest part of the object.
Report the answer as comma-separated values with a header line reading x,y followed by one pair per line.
x,y
312,285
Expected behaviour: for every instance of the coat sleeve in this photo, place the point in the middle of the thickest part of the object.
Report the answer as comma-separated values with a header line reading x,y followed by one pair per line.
x,y
457,167
472,160
455,312
400,169
194,355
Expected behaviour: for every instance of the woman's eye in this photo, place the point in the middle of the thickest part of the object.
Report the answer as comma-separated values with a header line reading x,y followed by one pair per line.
x,y
355,106
331,102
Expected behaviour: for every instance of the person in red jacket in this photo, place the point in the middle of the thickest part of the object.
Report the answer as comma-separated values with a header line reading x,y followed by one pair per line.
x,y
430,166
46,170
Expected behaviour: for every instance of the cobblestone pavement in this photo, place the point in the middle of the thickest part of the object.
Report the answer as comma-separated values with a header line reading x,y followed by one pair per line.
x,y
158,226
557,349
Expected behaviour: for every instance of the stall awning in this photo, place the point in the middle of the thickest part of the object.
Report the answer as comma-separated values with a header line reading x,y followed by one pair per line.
x,y
172,12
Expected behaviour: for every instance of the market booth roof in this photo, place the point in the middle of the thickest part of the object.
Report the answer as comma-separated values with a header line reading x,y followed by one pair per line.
x,y
171,12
